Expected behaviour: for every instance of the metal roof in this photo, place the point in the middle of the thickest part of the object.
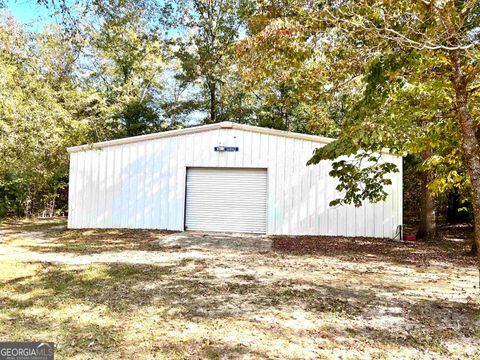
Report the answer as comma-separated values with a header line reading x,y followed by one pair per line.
x,y
197,129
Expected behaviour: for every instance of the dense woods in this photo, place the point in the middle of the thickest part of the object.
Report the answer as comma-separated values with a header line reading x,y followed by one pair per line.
x,y
402,75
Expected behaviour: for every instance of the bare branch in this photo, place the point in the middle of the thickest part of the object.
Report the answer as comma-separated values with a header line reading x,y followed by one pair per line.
x,y
390,34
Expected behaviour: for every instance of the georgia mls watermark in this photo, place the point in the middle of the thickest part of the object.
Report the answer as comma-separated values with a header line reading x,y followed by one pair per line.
x,y
26,351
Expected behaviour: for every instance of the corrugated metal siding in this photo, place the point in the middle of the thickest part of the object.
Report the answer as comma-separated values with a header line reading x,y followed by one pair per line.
x,y
142,185
225,199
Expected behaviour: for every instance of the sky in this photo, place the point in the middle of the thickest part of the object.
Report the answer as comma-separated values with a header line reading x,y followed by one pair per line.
x,y
35,16
29,13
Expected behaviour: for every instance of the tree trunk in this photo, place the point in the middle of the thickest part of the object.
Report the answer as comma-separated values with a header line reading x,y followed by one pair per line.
x,y
470,144
453,204
474,248
427,228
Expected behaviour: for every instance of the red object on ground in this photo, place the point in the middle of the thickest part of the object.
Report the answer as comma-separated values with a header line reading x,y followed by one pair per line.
x,y
410,237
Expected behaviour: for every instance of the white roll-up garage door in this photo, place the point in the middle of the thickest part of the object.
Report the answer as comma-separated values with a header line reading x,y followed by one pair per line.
x,y
230,200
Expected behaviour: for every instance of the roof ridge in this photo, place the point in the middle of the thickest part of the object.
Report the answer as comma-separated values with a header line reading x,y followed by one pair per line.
x,y
201,128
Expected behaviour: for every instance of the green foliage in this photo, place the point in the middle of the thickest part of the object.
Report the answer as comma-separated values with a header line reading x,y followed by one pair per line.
x,y
360,183
66,86
280,64
392,74
204,54
13,194
128,62
354,70
38,107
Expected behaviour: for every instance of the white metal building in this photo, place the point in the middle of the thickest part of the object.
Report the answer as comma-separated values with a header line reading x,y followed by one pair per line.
x,y
220,177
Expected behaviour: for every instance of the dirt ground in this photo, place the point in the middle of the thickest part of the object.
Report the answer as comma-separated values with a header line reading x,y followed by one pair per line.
x,y
147,294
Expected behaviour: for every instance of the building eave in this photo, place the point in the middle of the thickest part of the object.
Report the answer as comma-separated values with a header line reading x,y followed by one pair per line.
x,y
197,129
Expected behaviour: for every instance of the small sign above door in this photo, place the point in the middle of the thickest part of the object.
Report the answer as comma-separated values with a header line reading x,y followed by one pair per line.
x,y
226,148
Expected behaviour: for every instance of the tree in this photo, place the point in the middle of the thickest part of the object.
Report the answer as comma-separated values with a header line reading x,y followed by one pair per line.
x,y
282,68
39,104
124,66
212,27
443,36
95,78
401,51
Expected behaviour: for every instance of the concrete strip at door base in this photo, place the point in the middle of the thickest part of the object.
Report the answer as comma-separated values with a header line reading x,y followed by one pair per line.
x,y
212,240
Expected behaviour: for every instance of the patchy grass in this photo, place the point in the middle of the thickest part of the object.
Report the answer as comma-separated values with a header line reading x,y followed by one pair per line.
x,y
52,236
110,294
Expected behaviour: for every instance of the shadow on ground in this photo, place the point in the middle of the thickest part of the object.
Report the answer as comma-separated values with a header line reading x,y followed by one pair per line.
x,y
308,298
81,241
452,247
183,292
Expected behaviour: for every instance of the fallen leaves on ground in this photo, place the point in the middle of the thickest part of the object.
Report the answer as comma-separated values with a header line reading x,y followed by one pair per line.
x,y
109,294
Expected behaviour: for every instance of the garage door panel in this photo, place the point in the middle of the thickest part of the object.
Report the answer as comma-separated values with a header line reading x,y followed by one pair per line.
x,y
233,200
